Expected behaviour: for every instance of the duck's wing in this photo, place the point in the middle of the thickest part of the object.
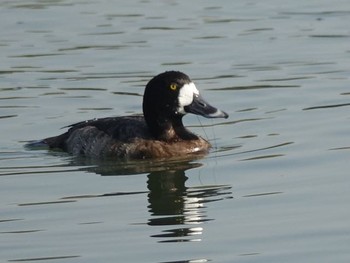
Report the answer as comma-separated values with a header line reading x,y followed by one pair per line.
x,y
116,129
120,128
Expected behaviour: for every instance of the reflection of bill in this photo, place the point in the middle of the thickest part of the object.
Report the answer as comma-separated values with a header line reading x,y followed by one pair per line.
x,y
171,203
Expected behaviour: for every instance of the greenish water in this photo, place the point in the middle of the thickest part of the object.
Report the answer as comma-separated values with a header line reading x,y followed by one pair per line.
x,y
275,188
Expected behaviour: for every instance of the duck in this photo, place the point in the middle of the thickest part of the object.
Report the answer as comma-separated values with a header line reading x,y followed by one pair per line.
x,y
157,133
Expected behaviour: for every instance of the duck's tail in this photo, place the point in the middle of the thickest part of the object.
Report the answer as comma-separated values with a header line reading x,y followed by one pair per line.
x,y
36,145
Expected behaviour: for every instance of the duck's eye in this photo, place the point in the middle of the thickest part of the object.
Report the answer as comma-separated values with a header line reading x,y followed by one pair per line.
x,y
173,86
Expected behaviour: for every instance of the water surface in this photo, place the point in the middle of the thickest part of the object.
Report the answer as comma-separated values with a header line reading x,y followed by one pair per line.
x,y
274,188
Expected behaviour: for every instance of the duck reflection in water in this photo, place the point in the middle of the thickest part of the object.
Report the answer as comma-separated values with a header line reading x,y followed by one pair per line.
x,y
171,203
181,210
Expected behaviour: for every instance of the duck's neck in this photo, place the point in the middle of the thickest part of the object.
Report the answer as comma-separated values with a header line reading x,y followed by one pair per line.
x,y
168,130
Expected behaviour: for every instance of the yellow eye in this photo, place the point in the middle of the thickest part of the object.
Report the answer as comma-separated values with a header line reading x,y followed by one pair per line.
x,y
173,86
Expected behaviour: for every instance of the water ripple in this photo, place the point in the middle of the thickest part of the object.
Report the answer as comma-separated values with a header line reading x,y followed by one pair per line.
x,y
252,87
327,106
258,150
42,258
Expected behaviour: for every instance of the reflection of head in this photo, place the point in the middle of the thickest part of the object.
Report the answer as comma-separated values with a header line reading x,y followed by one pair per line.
x,y
167,182
167,191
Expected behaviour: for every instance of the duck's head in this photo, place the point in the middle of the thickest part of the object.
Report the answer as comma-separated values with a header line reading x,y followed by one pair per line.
x,y
170,95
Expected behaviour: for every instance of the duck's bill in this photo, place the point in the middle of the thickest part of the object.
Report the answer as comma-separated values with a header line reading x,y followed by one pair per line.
x,y
200,107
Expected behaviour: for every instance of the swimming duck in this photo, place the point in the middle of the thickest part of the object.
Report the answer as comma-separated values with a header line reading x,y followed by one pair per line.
x,y
158,133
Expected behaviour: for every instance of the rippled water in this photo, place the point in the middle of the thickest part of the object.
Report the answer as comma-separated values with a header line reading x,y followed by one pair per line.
x,y
275,188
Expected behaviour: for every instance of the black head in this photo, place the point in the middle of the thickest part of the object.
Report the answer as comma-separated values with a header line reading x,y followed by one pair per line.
x,y
170,95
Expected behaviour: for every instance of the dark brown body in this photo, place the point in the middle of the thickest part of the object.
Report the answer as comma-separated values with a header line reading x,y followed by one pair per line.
x,y
125,137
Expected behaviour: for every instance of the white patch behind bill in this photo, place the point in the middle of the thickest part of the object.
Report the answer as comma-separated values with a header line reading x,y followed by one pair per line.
x,y
186,96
